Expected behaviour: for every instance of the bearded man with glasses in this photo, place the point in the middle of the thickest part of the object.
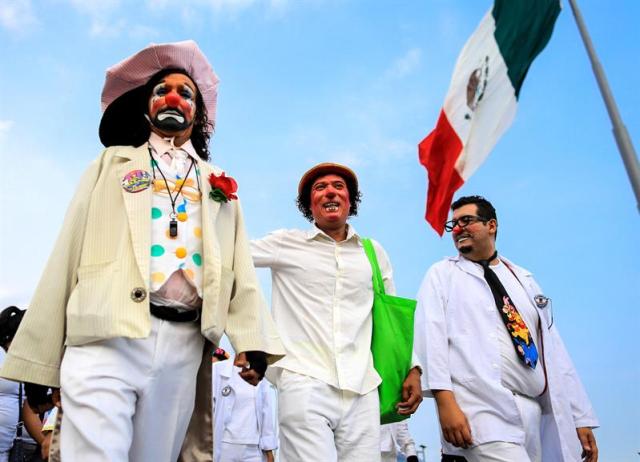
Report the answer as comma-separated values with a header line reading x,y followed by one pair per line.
x,y
504,385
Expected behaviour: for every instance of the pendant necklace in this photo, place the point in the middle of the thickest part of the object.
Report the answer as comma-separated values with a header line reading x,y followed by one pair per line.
x,y
173,223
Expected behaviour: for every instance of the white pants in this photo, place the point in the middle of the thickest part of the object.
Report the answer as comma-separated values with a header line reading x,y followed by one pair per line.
x,y
499,451
321,423
386,456
130,399
241,453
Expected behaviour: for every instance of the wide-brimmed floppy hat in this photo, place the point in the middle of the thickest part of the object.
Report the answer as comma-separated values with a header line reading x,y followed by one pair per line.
x,y
125,80
327,168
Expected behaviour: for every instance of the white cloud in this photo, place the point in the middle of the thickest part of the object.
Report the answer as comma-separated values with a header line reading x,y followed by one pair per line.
x,y
351,156
374,147
17,15
278,4
376,150
107,16
222,8
5,127
106,20
232,5
96,8
36,196
271,6
15,296
405,64
140,31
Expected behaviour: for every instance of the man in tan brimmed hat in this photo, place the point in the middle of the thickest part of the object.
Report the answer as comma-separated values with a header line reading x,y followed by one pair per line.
x,y
151,262
321,301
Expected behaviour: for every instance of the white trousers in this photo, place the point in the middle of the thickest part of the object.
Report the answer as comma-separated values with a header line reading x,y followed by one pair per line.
x,y
130,399
386,456
241,453
321,423
499,451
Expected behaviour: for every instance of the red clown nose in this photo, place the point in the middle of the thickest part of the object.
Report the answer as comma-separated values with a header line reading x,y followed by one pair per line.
x,y
457,229
172,99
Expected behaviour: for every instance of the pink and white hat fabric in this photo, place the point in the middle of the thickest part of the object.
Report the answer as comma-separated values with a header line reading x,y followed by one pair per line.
x,y
135,71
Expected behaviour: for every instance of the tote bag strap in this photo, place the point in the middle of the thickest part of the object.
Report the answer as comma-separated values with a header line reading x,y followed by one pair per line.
x,y
378,283
20,423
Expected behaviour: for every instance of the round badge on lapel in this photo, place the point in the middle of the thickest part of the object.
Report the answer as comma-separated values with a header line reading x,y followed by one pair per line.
x,y
138,294
541,301
136,181
226,391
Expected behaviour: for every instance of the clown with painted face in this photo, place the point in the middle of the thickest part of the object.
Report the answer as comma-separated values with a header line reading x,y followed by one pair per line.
x,y
148,273
172,106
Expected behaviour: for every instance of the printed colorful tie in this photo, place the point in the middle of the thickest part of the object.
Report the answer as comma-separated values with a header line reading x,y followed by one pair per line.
x,y
517,328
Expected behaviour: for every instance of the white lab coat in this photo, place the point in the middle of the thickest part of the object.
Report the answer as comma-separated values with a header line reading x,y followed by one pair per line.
x,y
223,405
396,436
456,341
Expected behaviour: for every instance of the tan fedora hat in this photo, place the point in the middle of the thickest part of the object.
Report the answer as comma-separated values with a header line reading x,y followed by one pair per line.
x,y
326,168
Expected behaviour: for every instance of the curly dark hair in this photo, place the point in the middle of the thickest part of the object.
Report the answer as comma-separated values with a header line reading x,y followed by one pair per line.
x,y
124,123
10,319
303,200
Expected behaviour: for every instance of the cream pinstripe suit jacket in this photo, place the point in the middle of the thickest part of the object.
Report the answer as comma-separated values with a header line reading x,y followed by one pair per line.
x,y
102,256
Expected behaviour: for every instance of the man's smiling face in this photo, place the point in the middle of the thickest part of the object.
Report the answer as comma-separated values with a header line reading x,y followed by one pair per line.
x,y
329,202
475,239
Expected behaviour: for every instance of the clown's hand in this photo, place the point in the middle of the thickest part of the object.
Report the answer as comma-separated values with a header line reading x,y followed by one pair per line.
x,y
253,365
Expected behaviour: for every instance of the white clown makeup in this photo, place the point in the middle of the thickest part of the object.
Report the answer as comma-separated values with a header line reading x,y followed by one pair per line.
x,y
172,105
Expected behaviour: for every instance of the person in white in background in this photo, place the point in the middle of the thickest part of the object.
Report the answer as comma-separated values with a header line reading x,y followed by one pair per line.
x,y
395,438
328,407
10,319
243,416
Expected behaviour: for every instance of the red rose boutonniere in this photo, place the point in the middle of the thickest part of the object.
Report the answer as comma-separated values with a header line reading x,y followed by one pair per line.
x,y
223,188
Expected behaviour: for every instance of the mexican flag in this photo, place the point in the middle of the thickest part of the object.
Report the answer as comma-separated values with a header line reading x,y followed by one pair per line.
x,y
483,96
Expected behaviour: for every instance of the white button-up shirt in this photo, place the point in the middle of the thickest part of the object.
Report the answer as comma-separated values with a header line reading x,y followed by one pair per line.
x,y
322,297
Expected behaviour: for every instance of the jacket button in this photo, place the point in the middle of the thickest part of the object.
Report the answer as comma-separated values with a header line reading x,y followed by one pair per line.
x,y
138,294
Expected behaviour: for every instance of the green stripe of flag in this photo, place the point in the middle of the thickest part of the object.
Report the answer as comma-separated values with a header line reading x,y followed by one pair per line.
x,y
523,29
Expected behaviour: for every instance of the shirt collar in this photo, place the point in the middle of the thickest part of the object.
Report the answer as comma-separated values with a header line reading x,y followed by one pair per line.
x,y
465,262
315,231
161,145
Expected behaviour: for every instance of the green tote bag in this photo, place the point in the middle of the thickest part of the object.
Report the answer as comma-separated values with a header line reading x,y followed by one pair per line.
x,y
391,341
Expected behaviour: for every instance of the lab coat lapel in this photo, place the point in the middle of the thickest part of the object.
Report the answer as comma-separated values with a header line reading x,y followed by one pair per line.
x,y
469,267
531,288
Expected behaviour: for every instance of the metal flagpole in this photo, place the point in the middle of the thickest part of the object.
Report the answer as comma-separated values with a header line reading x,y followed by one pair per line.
x,y
620,133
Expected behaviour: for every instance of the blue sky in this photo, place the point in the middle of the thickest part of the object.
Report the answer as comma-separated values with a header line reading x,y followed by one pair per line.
x,y
358,82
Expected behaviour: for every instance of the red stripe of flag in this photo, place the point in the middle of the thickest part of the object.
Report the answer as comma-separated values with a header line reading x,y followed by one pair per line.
x,y
438,153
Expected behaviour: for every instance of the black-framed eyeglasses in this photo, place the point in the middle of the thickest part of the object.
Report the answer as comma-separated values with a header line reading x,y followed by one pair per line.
x,y
463,222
